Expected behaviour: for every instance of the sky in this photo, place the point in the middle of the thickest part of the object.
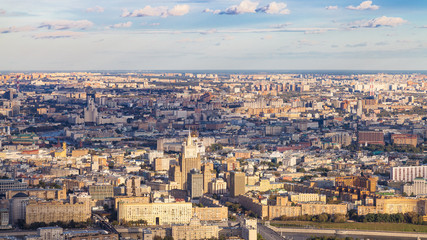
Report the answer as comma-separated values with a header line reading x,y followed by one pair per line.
x,y
54,35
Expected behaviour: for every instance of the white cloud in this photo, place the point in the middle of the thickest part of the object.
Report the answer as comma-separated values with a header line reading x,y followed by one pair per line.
x,y
96,9
161,11
331,8
245,6
366,5
66,24
58,34
378,22
2,11
274,8
207,10
179,10
125,13
17,29
121,25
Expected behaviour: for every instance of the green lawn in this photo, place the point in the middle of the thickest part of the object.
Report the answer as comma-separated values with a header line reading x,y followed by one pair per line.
x,y
396,227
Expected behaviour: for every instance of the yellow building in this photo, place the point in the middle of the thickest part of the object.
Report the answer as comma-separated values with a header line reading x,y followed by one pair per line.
x,y
126,199
307,197
156,213
211,213
194,230
395,205
55,211
40,193
288,211
316,209
63,153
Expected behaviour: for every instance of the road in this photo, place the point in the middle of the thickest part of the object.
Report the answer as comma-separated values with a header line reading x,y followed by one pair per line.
x,y
267,233
104,224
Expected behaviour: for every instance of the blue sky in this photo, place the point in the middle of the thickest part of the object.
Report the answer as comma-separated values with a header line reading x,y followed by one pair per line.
x,y
209,34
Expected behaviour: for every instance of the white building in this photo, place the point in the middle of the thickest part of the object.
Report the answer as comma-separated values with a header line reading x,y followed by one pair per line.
x,y
419,187
408,174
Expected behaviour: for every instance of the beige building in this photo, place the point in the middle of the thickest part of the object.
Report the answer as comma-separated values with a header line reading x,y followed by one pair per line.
x,y
219,213
282,207
395,205
156,213
126,199
40,193
249,229
237,183
71,184
194,230
100,192
218,186
189,160
55,211
316,209
307,197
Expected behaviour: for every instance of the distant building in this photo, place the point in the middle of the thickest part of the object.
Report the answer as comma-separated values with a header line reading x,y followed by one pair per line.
x,y
4,219
370,137
9,184
237,183
368,183
419,187
218,186
408,174
17,207
100,192
156,213
307,197
50,233
195,184
404,139
55,211
90,112
249,229
194,230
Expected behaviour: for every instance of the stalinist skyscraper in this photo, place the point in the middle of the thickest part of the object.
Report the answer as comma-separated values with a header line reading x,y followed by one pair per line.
x,y
190,159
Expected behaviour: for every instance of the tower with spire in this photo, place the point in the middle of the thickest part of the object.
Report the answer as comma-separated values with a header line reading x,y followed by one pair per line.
x,y
190,159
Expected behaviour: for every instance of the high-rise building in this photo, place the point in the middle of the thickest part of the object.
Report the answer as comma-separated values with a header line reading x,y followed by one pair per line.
x,y
90,112
359,110
237,183
195,184
190,159
218,186
208,175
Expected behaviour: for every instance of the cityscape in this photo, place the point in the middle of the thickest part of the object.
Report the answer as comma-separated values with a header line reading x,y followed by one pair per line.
x,y
212,156
213,120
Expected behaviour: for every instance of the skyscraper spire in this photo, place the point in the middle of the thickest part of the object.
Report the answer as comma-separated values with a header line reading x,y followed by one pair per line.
x,y
189,140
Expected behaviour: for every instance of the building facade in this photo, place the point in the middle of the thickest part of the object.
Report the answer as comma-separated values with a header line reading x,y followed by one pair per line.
x,y
408,174
237,183
55,211
156,213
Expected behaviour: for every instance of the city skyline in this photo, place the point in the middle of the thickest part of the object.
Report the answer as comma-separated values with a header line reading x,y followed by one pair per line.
x,y
178,35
